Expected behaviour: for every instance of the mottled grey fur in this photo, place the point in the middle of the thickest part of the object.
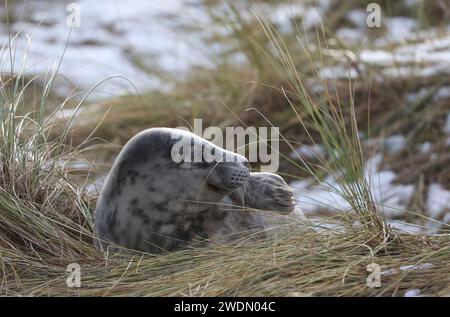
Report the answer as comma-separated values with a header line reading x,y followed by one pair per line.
x,y
153,204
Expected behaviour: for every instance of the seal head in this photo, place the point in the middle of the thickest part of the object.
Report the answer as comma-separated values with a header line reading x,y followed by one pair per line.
x,y
153,201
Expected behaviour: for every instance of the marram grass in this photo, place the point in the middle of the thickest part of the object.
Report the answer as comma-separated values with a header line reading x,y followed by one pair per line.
x,y
305,263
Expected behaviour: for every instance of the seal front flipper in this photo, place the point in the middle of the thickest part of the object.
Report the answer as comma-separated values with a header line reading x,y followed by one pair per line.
x,y
267,192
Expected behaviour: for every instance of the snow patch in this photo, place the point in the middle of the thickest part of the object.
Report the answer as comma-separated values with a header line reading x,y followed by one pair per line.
x,y
446,128
438,200
413,293
405,227
112,36
398,29
442,93
391,198
395,143
408,268
358,18
425,147
309,151
350,35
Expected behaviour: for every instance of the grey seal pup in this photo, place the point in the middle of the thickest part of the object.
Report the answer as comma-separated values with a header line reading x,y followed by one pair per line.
x,y
153,203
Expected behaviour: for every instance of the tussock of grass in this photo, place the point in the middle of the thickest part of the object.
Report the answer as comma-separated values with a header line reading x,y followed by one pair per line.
x,y
305,263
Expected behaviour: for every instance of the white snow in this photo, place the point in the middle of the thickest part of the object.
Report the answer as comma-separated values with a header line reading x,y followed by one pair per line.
x,y
422,266
413,97
398,29
392,199
407,268
405,227
447,218
413,293
320,197
419,53
395,143
442,93
425,147
357,17
411,3
64,114
94,188
309,151
435,62
312,17
350,35
113,34
118,37
284,13
337,71
438,200
423,53
446,128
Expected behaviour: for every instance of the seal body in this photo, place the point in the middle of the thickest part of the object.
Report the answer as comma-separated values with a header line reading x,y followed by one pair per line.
x,y
152,202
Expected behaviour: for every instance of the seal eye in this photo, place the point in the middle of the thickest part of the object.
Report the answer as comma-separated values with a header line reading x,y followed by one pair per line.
x,y
191,165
